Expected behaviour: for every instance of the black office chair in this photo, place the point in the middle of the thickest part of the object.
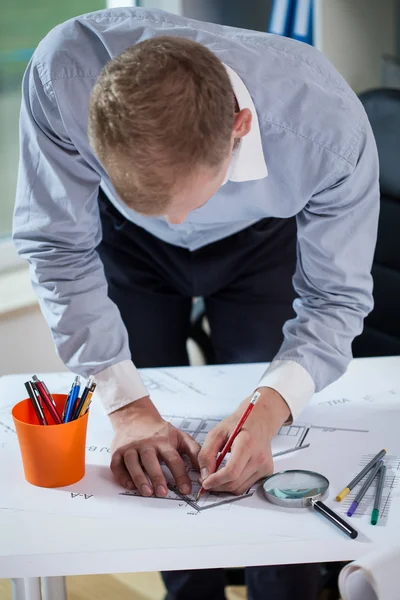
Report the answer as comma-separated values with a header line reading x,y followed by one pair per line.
x,y
381,335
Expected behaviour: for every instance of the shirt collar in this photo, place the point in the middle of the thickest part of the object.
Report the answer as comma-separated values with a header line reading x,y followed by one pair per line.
x,y
248,163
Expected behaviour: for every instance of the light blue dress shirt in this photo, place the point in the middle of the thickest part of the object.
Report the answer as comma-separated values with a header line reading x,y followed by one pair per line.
x,y
322,167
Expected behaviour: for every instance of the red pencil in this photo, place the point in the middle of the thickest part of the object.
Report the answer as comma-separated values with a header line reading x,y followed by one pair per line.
x,y
233,435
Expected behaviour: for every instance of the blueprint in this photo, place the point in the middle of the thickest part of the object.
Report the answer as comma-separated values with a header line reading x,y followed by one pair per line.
x,y
289,438
335,436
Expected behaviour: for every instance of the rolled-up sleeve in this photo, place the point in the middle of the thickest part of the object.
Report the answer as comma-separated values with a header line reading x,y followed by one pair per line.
x,y
57,229
336,240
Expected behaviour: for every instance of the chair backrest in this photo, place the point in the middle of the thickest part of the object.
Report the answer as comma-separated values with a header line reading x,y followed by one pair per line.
x,y
381,335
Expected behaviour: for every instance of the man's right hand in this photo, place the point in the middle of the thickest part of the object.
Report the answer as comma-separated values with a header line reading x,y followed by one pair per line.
x,y
143,439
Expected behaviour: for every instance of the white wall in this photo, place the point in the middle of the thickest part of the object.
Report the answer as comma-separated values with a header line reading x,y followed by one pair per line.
x,y
354,34
26,345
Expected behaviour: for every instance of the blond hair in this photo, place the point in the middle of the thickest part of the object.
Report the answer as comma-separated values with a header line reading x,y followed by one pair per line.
x,y
157,112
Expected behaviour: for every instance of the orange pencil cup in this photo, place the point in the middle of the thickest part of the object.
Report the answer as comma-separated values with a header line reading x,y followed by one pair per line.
x,y
52,455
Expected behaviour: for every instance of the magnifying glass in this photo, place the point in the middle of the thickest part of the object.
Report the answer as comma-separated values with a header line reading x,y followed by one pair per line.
x,y
300,489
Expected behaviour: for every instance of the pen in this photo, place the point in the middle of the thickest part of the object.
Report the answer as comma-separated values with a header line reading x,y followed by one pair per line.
x,y
49,395
47,399
33,395
71,399
233,435
88,400
82,399
66,403
364,489
378,495
358,477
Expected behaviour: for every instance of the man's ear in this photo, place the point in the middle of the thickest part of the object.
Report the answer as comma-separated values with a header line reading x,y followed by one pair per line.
x,y
242,123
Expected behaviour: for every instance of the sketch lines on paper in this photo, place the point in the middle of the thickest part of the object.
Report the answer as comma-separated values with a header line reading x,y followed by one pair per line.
x,y
167,382
291,436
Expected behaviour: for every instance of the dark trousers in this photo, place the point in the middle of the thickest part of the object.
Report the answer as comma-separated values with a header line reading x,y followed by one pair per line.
x,y
246,283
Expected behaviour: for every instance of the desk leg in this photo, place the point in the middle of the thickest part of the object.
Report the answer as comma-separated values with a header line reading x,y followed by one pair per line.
x,y
26,589
18,589
32,588
53,588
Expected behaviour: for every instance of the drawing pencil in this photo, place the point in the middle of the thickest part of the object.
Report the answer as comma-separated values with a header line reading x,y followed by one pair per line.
x,y
233,435
378,495
358,477
364,489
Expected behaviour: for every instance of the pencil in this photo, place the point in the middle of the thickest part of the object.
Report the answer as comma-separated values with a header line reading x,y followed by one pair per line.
x,y
233,435
364,489
358,477
378,495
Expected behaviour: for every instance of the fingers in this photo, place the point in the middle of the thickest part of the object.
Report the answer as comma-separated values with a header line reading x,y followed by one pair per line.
x,y
242,489
191,448
120,471
151,465
232,475
132,464
175,463
234,469
244,467
238,486
207,458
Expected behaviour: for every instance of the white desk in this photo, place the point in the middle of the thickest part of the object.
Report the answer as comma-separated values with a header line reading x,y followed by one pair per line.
x,y
34,545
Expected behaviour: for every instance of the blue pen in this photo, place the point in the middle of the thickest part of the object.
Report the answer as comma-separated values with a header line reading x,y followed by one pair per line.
x,y
81,402
70,402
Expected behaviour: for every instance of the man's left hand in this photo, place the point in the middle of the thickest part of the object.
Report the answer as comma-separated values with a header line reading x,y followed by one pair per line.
x,y
250,457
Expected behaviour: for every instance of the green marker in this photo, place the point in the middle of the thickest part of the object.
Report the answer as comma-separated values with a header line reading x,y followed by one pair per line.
x,y
378,495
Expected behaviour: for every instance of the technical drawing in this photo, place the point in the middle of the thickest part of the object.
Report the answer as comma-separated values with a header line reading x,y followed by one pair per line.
x,y
206,501
289,437
166,381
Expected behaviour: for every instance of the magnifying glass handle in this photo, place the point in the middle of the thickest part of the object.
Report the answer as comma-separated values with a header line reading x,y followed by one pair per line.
x,y
335,519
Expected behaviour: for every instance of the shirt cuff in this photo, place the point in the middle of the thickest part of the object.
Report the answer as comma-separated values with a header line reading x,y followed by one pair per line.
x,y
292,382
119,385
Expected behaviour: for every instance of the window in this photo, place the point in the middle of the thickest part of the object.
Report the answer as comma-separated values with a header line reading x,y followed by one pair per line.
x,y
24,24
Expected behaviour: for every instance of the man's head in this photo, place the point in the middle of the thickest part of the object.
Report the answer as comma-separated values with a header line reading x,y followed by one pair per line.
x,y
163,122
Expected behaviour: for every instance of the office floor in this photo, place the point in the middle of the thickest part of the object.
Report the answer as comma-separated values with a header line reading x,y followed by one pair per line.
x,y
138,586
135,586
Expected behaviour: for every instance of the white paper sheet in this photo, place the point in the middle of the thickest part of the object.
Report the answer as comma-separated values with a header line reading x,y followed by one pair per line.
x,y
340,434
373,577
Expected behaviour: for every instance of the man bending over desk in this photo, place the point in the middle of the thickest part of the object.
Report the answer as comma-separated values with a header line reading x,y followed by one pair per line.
x,y
162,159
